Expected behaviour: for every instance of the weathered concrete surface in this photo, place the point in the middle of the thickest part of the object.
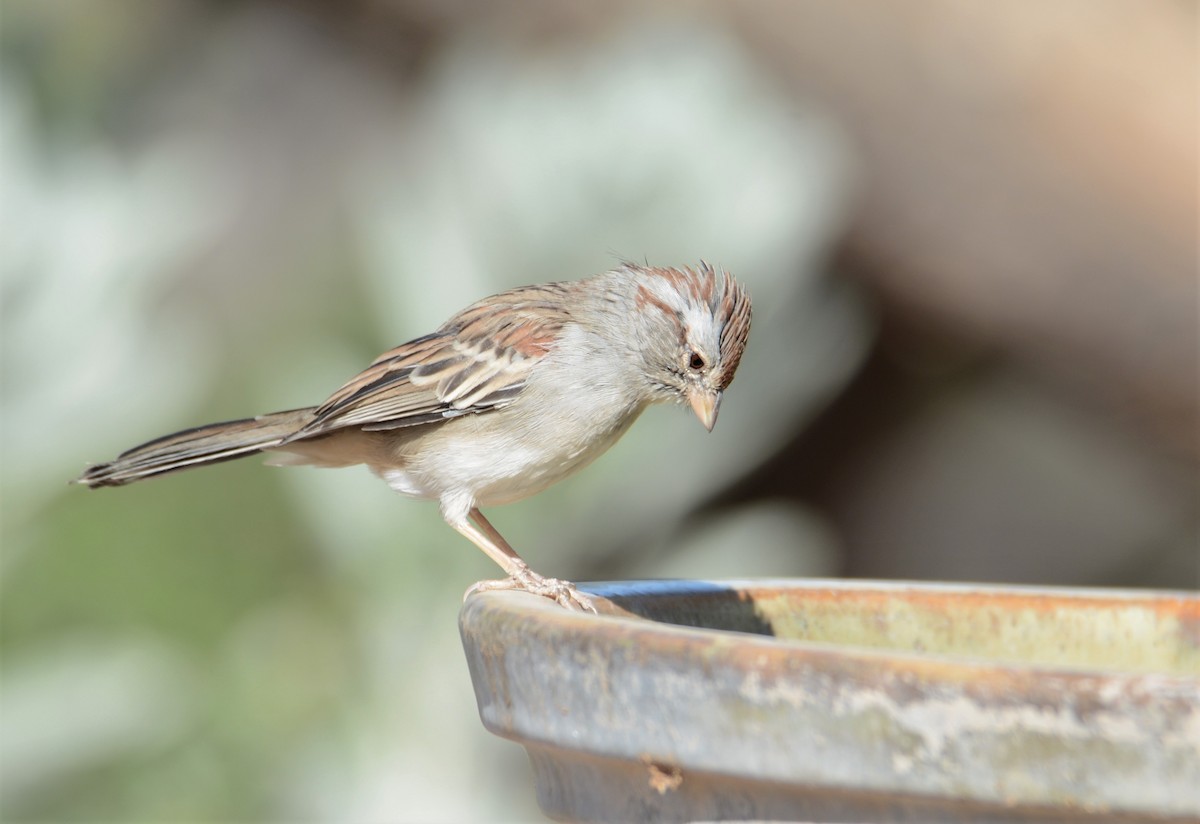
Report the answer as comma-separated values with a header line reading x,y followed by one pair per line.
x,y
834,700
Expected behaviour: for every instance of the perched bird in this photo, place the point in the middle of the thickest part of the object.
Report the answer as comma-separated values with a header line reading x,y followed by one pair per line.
x,y
510,395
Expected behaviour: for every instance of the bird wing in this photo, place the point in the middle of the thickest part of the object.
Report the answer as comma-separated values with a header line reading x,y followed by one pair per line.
x,y
477,361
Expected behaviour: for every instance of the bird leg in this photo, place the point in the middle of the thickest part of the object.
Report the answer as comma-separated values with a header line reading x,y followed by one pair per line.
x,y
479,531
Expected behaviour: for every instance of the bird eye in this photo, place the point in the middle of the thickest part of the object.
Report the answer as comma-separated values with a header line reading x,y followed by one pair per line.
x,y
697,362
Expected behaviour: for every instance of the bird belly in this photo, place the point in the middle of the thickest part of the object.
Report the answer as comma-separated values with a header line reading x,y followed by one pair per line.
x,y
510,475
494,462
526,472
404,483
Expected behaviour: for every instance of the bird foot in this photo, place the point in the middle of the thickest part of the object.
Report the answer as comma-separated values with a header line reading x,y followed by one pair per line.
x,y
524,579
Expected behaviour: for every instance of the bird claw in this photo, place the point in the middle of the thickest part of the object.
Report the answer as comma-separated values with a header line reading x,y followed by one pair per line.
x,y
564,593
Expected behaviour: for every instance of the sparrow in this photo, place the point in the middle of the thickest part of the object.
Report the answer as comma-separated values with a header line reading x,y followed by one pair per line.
x,y
507,397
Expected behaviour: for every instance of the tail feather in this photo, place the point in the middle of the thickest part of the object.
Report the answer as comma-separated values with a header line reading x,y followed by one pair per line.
x,y
202,445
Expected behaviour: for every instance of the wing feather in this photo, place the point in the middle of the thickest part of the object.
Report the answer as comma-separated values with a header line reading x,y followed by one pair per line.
x,y
477,361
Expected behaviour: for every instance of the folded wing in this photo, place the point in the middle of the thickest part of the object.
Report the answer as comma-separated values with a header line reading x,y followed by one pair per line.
x,y
477,361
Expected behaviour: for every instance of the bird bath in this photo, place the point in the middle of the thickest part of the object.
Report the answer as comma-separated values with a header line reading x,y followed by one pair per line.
x,y
847,701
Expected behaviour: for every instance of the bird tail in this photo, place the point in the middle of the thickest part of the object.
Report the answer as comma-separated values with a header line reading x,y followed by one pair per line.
x,y
202,445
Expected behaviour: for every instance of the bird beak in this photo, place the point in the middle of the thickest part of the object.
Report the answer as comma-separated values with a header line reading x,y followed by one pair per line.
x,y
705,405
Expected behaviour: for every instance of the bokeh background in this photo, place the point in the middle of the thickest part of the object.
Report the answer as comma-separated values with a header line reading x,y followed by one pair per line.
x,y
970,230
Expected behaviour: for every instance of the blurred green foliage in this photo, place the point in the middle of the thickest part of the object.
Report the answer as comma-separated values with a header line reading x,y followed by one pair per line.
x,y
215,210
